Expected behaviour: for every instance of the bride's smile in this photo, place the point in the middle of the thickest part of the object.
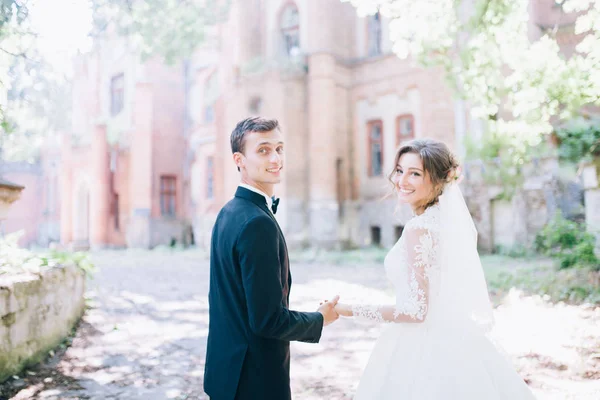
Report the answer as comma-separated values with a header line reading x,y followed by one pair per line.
x,y
413,185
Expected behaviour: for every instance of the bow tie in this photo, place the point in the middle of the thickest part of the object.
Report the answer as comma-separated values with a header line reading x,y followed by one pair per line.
x,y
275,204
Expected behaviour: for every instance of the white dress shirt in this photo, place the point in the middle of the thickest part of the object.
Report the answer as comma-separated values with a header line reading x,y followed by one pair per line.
x,y
268,199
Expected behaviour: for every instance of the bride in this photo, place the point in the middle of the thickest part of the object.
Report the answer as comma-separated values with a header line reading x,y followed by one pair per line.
x,y
435,347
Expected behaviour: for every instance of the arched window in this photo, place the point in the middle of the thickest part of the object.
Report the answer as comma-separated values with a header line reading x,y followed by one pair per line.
x,y
290,29
374,35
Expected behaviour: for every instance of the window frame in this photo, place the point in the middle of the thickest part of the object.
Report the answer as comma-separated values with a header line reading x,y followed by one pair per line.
x,y
288,31
371,142
210,177
400,138
168,195
117,94
370,19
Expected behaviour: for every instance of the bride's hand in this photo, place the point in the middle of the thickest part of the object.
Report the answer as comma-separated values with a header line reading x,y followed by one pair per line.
x,y
345,310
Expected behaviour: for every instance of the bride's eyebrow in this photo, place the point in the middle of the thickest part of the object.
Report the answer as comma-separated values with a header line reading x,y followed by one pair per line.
x,y
409,168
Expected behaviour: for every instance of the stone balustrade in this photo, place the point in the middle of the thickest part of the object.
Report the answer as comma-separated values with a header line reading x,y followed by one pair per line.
x,y
37,312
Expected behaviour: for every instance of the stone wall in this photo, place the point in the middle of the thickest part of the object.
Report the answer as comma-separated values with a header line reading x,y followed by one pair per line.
x,y
511,222
592,198
36,314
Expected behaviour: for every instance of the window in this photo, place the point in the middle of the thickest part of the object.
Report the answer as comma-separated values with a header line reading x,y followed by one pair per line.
x,y
290,30
209,114
375,236
375,132
398,229
51,186
405,128
211,94
167,195
339,186
374,35
117,94
116,211
255,105
210,177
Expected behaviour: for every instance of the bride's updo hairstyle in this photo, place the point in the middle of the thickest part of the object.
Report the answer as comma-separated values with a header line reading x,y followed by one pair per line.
x,y
438,161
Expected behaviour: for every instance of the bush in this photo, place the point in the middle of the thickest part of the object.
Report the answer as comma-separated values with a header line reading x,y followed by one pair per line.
x,y
579,140
16,260
569,243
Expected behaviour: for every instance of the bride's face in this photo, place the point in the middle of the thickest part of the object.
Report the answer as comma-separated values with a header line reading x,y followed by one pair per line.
x,y
413,184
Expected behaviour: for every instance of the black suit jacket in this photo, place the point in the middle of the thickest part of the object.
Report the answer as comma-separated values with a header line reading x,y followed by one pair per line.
x,y
250,326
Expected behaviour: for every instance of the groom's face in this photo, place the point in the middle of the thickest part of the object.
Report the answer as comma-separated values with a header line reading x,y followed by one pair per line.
x,y
262,160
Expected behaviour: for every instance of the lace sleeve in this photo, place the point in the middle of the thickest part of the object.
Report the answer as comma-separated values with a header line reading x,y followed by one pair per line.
x,y
411,306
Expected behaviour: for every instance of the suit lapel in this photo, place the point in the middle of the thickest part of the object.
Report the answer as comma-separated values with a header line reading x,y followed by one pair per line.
x,y
260,202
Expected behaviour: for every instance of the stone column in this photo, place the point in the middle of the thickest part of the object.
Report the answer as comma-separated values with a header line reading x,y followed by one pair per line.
x,y
99,190
322,151
140,172
591,187
67,192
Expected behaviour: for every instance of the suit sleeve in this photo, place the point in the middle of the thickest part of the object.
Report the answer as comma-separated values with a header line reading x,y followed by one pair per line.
x,y
257,246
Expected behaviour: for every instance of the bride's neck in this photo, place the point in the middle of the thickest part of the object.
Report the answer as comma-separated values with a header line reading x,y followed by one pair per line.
x,y
418,210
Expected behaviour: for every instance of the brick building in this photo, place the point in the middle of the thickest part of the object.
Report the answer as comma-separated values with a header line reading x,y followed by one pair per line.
x,y
123,165
148,160
344,101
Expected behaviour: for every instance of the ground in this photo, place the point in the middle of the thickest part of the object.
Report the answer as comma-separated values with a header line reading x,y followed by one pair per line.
x,y
144,334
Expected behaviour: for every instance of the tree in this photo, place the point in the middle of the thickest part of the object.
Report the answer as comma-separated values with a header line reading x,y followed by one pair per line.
x,y
39,99
519,87
38,95
15,37
170,29
13,13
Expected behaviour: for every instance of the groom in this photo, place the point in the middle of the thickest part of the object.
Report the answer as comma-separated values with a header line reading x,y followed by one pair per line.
x,y
250,327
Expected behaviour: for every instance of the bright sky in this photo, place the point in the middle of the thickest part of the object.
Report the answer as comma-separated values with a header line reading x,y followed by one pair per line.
x,y
63,26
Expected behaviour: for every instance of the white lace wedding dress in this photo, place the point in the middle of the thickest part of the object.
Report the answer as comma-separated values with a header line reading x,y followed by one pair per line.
x,y
429,351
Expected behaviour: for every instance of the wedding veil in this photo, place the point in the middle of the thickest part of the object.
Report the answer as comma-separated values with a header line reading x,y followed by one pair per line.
x,y
463,286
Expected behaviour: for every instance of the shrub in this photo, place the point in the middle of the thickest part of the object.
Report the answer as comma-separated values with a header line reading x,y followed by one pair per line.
x,y
15,260
569,243
579,140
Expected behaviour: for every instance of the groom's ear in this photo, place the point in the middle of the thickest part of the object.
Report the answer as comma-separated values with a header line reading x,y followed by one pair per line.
x,y
238,159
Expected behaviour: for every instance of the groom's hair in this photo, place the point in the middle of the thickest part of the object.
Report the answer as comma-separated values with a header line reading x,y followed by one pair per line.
x,y
252,124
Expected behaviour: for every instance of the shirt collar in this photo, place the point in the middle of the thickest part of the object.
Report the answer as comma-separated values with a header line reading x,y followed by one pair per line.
x,y
255,190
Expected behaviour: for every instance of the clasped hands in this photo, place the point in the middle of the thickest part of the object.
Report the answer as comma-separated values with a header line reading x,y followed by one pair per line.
x,y
332,309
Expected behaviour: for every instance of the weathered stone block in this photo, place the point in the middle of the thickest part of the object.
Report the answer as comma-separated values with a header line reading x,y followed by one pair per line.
x,y
36,314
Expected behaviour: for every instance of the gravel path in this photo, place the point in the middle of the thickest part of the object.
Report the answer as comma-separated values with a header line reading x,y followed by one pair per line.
x,y
144,335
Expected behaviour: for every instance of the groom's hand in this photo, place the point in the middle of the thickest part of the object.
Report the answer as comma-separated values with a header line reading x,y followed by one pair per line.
x,y
327,309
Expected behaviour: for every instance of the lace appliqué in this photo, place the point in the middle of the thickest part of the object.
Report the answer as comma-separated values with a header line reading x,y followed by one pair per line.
x,y
409,265
414,304
426,254
430,219
368,312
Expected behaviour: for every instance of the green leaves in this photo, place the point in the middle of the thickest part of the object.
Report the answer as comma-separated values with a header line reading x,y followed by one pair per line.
x,y
13,10
579,140
169,29
569,243
490,61
15,260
